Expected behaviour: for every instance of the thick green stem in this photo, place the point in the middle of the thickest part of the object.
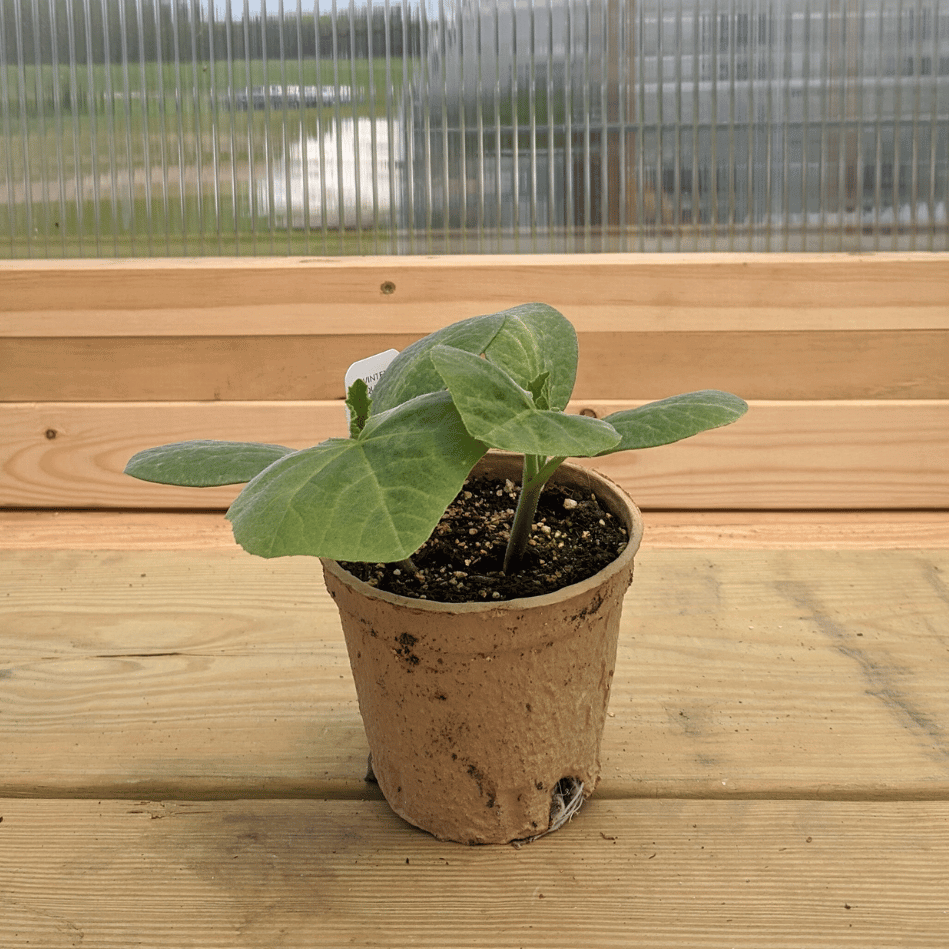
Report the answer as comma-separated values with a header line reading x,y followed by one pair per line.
x,y
537,471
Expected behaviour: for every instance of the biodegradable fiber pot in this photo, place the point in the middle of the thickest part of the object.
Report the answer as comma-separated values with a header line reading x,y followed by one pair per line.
x,y
475,712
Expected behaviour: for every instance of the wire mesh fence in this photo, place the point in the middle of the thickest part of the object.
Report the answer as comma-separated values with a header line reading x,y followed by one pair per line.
x,y
250,127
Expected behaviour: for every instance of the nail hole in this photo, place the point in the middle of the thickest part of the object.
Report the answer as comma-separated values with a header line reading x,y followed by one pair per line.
x,y
589,413
388,287
51,433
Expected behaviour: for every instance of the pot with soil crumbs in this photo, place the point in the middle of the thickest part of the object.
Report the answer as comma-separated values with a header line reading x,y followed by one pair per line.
x,y
478,712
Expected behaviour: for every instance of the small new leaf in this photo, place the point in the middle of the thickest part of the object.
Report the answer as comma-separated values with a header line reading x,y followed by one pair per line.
x,y
540,391
359,404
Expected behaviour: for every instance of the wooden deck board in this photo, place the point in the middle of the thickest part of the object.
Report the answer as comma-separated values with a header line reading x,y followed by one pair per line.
x,y
750,875
781,455
758,530
211,673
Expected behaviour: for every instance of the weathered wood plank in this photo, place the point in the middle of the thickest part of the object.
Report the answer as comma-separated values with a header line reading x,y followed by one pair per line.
x,y
345,295
756,530
664,874
215,674
828,364
781,455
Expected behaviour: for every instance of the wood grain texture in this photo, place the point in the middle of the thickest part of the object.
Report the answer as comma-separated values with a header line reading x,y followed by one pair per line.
x,y
759,674
733,530
673,874
781,455
344,295
634,364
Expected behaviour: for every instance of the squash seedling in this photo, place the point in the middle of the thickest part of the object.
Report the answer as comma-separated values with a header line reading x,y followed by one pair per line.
x,y
498,381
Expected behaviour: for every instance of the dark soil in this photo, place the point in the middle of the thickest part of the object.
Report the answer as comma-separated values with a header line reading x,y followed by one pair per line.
x,y
573,538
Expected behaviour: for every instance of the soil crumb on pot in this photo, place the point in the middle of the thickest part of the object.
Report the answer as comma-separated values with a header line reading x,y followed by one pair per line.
x,y
573,538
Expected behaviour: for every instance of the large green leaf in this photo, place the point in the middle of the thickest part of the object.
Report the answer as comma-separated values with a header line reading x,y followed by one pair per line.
x,y
500,413
526,341
675,418
376,497
204,464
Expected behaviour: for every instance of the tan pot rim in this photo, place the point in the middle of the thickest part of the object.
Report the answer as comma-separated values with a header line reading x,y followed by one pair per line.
x,y
568,472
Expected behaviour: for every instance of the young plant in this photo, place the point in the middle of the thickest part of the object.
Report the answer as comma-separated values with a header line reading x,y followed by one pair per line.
x,y
498,381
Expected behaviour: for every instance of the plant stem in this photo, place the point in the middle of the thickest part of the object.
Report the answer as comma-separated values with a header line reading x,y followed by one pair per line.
x,y
537,471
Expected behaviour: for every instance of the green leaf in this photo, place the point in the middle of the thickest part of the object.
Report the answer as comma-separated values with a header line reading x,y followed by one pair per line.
x,y
675,418
540,391
359,403
525,341
204,464
498,412
376,497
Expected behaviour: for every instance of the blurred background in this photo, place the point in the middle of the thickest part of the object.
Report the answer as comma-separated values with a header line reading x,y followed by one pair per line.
x,y
137,128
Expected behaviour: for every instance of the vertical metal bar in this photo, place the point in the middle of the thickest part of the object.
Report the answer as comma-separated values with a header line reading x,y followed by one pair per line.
x,y
108,99
587,150
658,184
268,159
303,103
570,210
320,126
750,73
373,139
458,108
805,122
480,94
285,163
732,196
214,113
532,122
180,143
917,106
357,156
159,93
515,129
878,127
787,72
768,131
697,80
715,43
253,202
426,81
678,55
131,163
197,131
93,128
59,132
934,133
24,131
7,143
408,123
232,102
640,163
390,127
553,92
897,127
607,38
42,131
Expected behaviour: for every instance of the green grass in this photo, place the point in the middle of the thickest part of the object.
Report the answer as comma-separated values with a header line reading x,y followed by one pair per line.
x,y
202,157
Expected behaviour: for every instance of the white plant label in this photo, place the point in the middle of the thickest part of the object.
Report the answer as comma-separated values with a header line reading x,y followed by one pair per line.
x,y
370,370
